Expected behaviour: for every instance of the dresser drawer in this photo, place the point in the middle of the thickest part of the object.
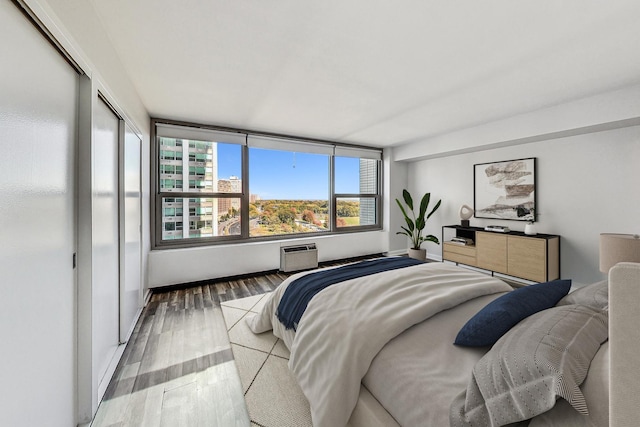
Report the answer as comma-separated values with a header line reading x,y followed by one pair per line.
x,y
460,249
459,253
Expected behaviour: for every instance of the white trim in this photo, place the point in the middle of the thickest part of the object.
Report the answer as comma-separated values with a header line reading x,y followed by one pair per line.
x,y
52,25
397,252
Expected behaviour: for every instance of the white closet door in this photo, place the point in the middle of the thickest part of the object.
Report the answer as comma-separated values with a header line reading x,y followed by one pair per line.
x,y
130,285
38,124
105,246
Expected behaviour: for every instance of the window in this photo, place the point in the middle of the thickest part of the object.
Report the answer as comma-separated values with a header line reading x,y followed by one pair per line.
x,y
194,168
232,186
290,192
357,187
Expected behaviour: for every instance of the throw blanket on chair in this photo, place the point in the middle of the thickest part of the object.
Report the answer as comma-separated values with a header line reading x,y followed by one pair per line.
x,y
300,291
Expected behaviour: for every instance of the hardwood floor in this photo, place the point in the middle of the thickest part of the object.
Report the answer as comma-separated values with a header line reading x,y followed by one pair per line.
x,y
177,368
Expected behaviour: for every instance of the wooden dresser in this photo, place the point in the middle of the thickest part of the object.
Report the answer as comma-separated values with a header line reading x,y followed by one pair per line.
x,y
535,258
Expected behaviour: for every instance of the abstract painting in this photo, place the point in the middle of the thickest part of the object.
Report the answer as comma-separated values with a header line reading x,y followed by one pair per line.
x,y
505,190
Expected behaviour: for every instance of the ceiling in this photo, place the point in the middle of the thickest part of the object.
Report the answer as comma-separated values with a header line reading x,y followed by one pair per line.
x,y
368,72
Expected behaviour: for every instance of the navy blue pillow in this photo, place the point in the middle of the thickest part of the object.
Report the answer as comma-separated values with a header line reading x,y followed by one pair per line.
x,y
503,313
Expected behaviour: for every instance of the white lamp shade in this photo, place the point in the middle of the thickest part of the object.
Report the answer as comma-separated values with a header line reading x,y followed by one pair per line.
x,y
615,248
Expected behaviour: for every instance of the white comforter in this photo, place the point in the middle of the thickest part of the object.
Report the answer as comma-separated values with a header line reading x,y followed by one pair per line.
x,y
347,324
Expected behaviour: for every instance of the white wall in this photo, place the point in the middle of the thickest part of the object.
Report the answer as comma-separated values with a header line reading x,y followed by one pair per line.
x,y
608,110
176,266
587,185
395,180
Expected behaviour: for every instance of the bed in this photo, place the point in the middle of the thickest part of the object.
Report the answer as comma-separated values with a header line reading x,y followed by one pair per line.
x,y
378,350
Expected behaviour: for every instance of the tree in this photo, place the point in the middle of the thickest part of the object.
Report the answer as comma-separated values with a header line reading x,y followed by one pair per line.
x,y
253,211
286,216
309,216
348,208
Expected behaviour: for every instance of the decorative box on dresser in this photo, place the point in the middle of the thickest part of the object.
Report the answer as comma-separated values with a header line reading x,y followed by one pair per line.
x,y
530,257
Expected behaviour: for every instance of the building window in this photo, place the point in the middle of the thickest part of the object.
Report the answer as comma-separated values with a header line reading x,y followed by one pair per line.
x,y
233,186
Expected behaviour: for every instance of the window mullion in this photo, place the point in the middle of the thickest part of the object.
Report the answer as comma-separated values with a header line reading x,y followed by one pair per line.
x,y
332,195
245,197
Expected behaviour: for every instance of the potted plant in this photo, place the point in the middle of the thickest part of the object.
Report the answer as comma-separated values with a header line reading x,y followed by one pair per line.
x,y
416,224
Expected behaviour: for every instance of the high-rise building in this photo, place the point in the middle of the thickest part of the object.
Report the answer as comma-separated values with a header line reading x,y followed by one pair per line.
x,y
236,187
188,167
231,185
224,205
368,185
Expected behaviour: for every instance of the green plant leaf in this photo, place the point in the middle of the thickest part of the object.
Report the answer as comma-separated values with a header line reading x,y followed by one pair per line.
x,y
434,209
406,232
423,204
432,238
407,199
402,208
408,220
410,224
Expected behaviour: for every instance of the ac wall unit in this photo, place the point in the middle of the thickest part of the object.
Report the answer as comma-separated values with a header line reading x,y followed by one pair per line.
x,y
300,257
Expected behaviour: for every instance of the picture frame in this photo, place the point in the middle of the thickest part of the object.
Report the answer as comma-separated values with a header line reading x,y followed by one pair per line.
x,y
505,190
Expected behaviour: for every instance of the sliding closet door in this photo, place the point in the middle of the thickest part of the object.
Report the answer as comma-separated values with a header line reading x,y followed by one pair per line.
x,y
38,123
106,243
130,285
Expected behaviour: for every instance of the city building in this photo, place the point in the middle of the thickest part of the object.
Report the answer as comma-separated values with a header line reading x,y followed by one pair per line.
x,y
193,163
368,185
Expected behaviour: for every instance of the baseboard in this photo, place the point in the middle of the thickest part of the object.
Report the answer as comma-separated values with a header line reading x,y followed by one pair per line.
x,y
396,252
147,297
401,252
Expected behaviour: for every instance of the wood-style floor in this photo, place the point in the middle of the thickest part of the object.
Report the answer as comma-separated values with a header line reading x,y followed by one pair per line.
x,y
177,368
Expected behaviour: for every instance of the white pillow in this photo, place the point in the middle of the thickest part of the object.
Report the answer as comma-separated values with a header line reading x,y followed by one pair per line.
x,y
542,358
595,295
596,392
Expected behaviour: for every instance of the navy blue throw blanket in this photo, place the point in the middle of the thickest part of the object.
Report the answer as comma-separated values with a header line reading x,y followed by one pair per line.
x,y
297,296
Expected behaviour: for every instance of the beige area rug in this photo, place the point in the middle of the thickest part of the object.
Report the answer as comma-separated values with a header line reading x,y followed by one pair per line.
x,y
273,397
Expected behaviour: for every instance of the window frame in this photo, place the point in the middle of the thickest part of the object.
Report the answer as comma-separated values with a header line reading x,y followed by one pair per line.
x,y
377,197
157,243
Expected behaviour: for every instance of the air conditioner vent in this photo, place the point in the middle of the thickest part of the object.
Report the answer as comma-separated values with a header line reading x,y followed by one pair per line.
x,y
299,257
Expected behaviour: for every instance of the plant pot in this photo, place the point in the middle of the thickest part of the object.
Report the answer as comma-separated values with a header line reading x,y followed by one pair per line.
x,y
419,254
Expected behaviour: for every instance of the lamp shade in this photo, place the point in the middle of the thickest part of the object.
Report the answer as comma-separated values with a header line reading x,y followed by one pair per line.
x,y
615,248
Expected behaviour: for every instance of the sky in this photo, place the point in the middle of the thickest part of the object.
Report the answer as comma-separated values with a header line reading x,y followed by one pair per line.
x,y
290,176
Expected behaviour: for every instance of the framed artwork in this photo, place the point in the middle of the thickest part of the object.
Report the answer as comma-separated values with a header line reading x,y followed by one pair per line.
x,y
505,190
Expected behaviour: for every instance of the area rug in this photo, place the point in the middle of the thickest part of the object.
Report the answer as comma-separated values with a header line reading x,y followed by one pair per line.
x,y
273,397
